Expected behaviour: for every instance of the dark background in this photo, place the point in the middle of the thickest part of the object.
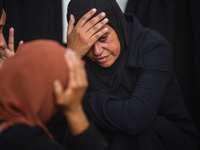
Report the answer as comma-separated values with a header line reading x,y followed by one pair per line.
x,y
177,20
33,19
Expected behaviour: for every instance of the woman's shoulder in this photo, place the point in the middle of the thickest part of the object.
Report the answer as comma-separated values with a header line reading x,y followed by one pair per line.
x,y
143,34
154,37
143,40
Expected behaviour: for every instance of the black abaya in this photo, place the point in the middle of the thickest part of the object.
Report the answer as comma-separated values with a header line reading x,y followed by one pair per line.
x,y
178,21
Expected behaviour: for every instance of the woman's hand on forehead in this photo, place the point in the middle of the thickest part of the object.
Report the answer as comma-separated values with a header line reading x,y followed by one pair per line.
x,y
86,32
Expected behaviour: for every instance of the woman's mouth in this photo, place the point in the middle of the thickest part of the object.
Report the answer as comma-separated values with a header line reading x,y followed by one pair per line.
x,y
102,59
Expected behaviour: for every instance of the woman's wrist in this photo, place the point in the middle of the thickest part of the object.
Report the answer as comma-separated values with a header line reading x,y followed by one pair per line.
x,y
77,120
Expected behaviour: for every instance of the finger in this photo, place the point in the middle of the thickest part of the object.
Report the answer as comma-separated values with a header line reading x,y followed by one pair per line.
x,y
82,74
97,27
11,40
58,90
68,58
20,43
4,58
85,18
92,23
98,34
5,54
75,72
9,53
79,72
71,24
69,54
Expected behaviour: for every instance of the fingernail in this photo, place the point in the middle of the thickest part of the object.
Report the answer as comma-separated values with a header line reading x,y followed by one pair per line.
x,y
11,29
106,19
94,9
103,14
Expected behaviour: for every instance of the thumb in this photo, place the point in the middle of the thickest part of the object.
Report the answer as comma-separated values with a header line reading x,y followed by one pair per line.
x,y
21,43
71,24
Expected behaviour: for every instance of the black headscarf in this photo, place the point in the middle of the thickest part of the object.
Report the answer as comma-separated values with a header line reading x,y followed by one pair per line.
x,y
104,79
1,7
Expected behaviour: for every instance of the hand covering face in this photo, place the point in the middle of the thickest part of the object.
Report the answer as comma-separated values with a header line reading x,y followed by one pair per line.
x,y
26,89
104,79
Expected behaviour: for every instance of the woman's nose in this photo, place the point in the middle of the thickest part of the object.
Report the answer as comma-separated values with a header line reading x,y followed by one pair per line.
x,y
97,49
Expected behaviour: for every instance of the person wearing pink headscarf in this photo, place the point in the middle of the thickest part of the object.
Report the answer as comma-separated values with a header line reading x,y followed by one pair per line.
x,y
28,98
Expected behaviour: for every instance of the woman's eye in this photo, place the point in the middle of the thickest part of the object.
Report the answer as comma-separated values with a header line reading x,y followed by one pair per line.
x,y
103,38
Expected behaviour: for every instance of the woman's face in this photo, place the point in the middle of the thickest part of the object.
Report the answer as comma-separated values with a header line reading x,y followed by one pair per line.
x,y
106,49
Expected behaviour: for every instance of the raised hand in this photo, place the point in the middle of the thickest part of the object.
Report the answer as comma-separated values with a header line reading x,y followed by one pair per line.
x,y
9,50
86,32
70,100
11,43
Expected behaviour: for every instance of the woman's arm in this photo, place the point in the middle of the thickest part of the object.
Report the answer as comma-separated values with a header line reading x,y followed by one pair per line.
x,y
70,100
84,134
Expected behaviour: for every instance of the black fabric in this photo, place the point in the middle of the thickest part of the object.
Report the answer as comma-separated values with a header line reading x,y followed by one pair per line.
x,y
34,19
1,7
58,127
22,137
100,78
90,139
147,111
178,21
